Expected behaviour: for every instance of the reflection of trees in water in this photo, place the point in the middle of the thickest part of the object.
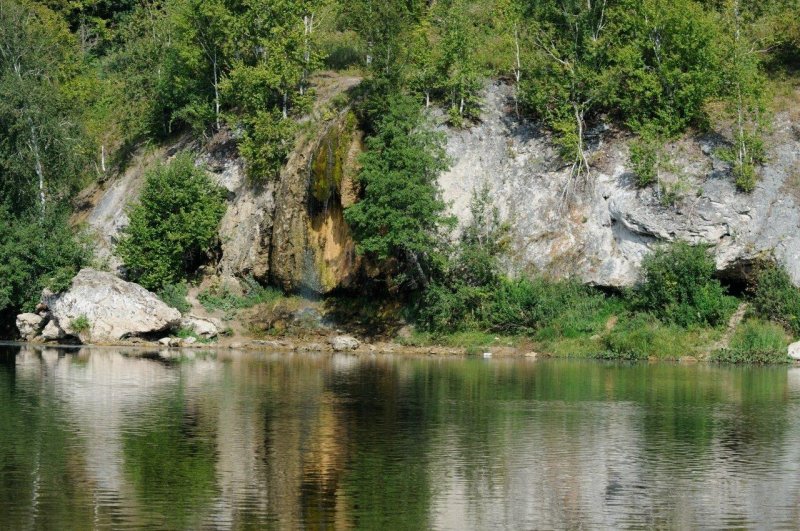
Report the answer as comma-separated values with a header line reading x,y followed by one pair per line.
x,y
320,441
170,457
571,457
388,421
43,483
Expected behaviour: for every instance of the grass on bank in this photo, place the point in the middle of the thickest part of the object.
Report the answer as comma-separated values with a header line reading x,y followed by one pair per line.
x,y
679,309
222,298
756,341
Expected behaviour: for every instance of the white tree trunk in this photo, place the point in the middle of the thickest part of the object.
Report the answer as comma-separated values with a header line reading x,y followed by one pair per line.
x,y
216,90
33,145
518,71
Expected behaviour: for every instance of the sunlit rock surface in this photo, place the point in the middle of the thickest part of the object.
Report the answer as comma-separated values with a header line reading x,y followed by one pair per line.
x,y
109,309
602,233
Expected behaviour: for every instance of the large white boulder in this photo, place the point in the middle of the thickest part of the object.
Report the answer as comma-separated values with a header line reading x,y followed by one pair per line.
x,y
344,343
29,325
52,332
205,328
794,351
102,308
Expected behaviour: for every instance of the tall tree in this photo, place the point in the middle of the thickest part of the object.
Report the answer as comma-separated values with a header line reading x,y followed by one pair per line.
x,y
382,25
565,85
41,149
460,70
401,212
743,91
662,63
205,27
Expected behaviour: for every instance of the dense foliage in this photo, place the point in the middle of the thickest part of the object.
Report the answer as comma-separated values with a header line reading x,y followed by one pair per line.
x,y
401,214
36,253
83,83
775,298
173,226
679,287
756,342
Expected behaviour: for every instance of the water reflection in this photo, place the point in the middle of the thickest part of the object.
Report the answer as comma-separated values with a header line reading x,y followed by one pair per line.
x,y
105,438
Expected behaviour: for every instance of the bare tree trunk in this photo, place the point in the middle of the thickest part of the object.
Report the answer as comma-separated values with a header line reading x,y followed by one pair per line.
x,y
33,145
308,29
580,172
285,104
518,71
216,89
742,147
583,163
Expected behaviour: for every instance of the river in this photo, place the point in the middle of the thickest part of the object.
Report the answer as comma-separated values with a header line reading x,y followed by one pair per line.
x,y
109,438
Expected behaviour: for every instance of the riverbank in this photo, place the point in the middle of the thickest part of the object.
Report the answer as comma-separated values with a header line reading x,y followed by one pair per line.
x,y
652,344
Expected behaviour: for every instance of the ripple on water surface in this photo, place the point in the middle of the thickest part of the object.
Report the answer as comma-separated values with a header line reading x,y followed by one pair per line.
x,y
111,439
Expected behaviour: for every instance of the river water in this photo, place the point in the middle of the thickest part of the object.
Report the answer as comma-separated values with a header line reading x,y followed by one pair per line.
x,y
106,438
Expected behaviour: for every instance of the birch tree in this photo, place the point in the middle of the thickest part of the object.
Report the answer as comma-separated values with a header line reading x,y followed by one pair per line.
x,y
205,27
744,94
41,151
461,72
565,85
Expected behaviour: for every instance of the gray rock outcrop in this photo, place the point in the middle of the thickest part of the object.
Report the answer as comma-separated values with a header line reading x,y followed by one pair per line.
x,y
30,325
794,351
205,328
109,308
344,343
52,332
291,231
602,235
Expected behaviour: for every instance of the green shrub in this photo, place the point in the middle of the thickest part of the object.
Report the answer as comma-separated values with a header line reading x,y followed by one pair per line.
x,y
679,287
452,308
744,166
223,299
186,333
646,153
80,324
775,298
174,295
525,306
267,142
36,253
756,341
173,226
540,307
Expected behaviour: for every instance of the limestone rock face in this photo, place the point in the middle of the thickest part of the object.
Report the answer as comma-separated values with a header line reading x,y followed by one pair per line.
x,y
794,351
29,325
344,343
52,332
312,248
602,234
205,328
290,230
246,228
112,308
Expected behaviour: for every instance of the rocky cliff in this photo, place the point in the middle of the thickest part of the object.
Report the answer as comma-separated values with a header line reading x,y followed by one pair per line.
x,y
292,232
602,235
289,231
